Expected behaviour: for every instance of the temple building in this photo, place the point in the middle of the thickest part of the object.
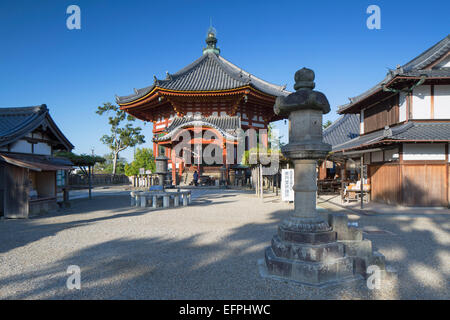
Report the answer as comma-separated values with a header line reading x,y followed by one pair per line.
x,y
211,93
404,132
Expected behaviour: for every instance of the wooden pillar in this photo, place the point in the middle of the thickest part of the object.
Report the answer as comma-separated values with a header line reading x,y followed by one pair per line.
x,y
362,180
400,173
261,181
90,181
343,178
447,182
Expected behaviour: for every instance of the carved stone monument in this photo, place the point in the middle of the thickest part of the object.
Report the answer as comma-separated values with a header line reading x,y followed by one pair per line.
x,y
306,248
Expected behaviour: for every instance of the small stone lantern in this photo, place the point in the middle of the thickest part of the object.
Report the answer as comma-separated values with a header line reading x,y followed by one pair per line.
x,y
161,168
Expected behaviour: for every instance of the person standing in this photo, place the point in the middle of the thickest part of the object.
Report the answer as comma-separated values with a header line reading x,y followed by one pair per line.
x,y
195,178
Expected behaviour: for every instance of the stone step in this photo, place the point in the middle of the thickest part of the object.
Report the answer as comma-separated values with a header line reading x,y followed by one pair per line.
x,y
307,252
311,273
305,237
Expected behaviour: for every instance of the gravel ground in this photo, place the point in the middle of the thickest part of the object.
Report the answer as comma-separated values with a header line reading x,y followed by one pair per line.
x,y
205,251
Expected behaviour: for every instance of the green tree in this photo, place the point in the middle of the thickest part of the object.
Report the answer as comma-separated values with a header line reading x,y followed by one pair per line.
x,y
123,133
107,166
143,158
327,124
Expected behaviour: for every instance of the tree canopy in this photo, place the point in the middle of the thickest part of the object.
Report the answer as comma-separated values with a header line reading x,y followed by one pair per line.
x,y
327,124
143,158
123,133
107,165
81,160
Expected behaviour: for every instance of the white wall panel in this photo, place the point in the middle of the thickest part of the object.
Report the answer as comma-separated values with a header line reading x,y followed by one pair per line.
x,y
42,148
442,102
21,146
421,102
423,151
402,107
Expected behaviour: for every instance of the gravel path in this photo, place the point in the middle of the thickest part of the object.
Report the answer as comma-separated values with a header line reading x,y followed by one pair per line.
x,y
205,251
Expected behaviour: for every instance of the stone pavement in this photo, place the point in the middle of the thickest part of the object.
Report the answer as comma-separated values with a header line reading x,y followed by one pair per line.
x,y
205,251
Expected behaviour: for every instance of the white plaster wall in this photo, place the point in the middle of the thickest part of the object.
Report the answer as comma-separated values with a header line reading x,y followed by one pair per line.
x,y
421,102
42,148
402,107
21,146
423,151
361,122
442,102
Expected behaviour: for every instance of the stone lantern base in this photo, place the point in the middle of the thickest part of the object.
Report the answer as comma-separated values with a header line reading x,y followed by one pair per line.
x,y
321,259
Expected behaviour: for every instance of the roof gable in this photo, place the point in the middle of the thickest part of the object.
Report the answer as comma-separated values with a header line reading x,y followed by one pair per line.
x,y
16,123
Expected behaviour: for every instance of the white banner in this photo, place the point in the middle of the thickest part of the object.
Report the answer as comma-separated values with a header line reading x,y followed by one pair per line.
x,y
287,182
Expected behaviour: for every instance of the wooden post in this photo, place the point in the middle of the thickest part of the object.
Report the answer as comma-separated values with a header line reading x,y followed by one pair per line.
x,y
343,178
261,180
362,180
90,182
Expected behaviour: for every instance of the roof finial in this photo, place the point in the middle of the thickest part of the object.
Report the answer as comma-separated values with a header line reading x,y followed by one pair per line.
x,y
211,40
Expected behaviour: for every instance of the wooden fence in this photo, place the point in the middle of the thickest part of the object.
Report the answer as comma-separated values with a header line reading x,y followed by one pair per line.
x,y
97,179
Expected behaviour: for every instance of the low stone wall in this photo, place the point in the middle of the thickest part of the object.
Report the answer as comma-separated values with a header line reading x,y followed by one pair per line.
x,y
158,199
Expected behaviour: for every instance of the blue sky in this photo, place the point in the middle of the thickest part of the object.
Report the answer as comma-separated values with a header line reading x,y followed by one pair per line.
x,y
122,44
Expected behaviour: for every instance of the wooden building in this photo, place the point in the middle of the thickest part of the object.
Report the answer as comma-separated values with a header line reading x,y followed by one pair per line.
x,y
30,176
405,131
211,93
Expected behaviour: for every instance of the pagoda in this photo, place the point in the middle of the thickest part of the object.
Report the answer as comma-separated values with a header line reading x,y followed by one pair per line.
x,y
212,93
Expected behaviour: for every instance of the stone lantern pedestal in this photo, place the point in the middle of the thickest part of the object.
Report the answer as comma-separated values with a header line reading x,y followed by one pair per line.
x,y
161,169
306,249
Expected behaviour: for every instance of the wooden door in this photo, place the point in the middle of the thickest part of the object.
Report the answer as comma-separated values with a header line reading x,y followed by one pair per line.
x,y
16,192
385,183
424,185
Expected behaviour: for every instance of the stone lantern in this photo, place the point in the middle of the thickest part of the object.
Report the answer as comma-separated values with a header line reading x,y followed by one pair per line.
x,y
305,248
161,168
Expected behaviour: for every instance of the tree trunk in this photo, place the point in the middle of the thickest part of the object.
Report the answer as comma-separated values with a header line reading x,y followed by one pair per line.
x,y
114,164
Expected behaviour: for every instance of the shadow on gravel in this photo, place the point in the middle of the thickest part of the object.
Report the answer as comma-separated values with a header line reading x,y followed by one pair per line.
x,y
190,268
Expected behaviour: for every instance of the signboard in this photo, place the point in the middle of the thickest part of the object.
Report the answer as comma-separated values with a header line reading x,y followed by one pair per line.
x,y
287,182
141,171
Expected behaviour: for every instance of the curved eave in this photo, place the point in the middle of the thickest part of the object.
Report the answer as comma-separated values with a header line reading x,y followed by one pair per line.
x,y
158,91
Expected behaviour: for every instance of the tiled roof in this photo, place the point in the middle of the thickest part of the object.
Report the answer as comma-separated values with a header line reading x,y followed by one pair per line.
x,y
226,125
414,68
16,123
342,130
208,73
410,131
